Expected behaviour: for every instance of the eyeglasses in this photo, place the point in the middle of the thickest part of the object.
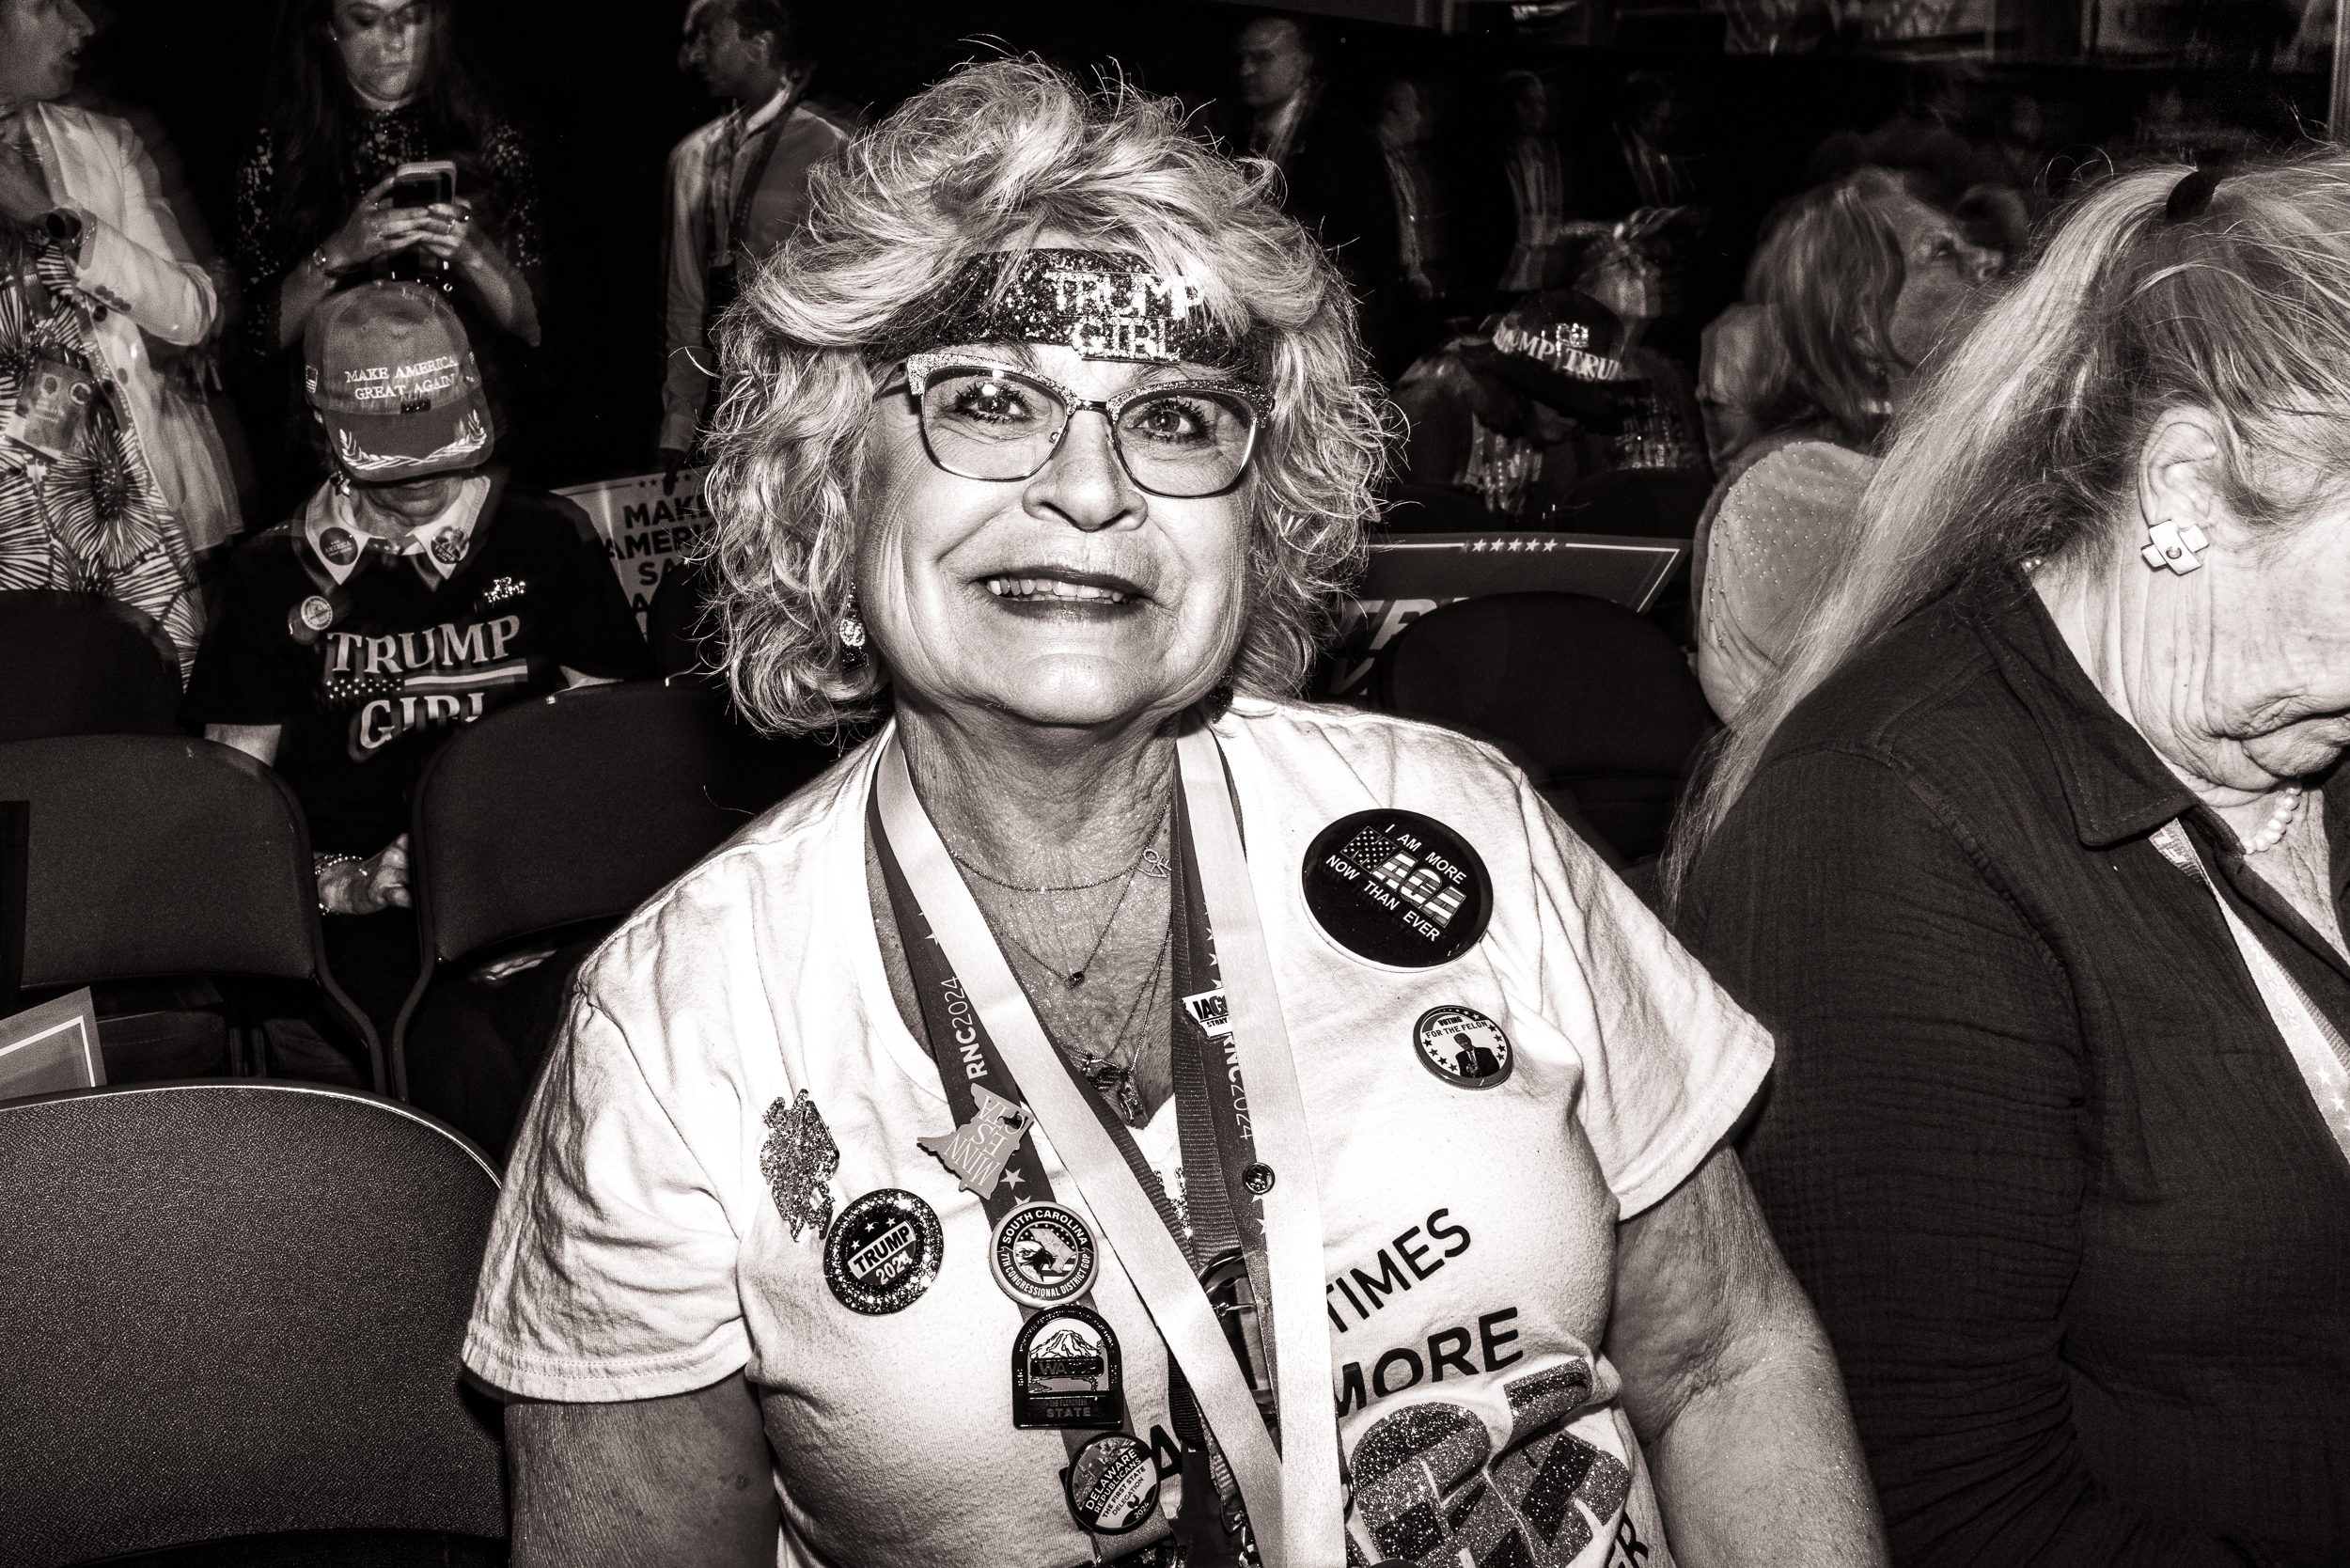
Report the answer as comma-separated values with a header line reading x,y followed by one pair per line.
x,y
1182,440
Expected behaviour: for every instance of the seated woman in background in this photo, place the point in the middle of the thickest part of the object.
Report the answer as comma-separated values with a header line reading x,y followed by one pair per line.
x,y
2032,859
1857,283
418,589
1048,433
360,88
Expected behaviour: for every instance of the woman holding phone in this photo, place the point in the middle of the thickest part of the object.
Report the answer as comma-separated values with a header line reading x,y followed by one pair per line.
x,y
366,90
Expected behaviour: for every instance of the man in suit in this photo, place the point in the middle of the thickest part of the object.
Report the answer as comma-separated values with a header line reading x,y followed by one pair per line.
x,y
1336,173
736,187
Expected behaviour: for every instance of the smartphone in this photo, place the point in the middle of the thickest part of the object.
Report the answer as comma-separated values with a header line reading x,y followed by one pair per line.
x,y
422,185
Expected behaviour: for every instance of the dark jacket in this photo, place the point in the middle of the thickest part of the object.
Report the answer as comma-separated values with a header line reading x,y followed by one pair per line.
x,y
2074,1222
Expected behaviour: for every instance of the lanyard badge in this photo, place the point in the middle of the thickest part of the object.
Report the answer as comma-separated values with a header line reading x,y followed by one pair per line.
x,y
1293,1500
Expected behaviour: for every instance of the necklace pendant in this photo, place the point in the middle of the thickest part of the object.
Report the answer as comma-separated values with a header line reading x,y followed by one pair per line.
x,y
1074,979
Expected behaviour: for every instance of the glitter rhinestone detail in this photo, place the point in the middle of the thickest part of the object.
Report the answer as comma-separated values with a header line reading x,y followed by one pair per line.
x,y
798,1160
1105,305
1428,1488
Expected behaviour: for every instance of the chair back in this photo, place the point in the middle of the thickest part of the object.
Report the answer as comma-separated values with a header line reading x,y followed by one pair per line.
x,y
234,1309
82,664
577,807
1640,502
1591,699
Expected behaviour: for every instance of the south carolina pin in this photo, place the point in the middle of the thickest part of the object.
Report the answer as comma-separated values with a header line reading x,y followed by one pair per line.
x,y
1463,1046
1065,1372
1112,1485
1043,1255
883,1253
1397,888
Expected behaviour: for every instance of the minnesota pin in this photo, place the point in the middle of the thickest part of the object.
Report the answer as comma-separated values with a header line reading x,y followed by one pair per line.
x,y
1042,1255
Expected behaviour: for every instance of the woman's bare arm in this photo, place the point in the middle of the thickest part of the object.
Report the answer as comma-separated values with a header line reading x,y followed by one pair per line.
x,y
1733,1388
684,1478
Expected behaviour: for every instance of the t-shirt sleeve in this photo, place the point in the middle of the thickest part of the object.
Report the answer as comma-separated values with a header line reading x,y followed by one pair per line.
x,y
610,1273
590,627
248,669
1670,1062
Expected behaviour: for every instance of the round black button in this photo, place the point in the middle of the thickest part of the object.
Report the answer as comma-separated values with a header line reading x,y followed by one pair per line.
x,y
1397,888
1257,1178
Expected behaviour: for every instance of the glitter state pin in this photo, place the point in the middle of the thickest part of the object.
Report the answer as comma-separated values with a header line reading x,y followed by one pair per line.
x,y
977,1150
798,1160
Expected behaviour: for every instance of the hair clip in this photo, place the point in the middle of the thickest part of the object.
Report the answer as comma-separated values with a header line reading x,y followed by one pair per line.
x,y
2190,195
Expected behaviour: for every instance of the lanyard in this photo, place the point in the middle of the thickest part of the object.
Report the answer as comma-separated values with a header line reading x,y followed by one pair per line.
x,y
1295,1504
2318,1048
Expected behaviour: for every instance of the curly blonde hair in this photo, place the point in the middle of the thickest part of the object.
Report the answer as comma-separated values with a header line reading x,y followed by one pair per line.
x,y
988,160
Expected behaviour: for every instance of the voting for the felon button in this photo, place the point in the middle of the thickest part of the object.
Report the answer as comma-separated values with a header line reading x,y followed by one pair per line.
x,y
1397,888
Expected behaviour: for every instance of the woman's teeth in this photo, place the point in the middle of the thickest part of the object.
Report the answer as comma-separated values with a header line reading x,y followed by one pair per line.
x,y
1051,588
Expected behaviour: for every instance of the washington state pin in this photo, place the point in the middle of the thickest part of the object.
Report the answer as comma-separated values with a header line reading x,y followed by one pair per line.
x,y
1463,1046
1065,1372
883,1253
1043,1255
1112,1485
1398,888
977,1150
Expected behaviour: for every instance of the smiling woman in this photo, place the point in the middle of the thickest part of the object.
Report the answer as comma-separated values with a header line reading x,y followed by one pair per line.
x,y
968,1149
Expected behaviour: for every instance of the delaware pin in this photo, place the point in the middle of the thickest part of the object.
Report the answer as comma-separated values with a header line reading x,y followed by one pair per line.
x,y
976,1151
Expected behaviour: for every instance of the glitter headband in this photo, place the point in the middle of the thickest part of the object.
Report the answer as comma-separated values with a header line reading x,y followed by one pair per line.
x,y
1105,305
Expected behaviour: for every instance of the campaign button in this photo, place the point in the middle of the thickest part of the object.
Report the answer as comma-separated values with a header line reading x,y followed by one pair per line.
x,y
1111,1485
340,546
1463,1046
1043,1254
1065,1372
1398,888
883,1253
317,613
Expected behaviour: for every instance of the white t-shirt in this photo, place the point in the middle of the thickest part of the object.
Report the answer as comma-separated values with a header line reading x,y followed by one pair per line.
x,y
1470,1232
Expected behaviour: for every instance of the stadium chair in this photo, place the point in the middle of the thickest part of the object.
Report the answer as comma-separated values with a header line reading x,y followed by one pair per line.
x,y
80,665
1645,503
559,817
154,859
230,1330
1593,700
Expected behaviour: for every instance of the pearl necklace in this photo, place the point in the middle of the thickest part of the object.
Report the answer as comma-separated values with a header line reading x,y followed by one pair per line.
x,y
2270,837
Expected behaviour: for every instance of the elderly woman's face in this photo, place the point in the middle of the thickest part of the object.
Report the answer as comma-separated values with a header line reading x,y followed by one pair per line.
x,y
2239,673
1068,599
383,45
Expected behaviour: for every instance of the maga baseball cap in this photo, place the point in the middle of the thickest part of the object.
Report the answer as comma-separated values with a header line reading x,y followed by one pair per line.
x,y
389,368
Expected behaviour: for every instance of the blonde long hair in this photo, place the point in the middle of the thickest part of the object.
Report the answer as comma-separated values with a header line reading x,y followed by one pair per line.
x,y
2025,443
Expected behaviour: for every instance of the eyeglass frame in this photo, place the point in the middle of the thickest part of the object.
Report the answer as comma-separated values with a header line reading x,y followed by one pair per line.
x,y
919,367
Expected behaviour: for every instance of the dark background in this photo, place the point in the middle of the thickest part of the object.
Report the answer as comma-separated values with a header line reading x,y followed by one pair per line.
x,y
596,89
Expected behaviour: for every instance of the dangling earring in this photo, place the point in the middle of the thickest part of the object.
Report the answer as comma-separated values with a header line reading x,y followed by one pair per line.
x,y
341,481
852,629
2176,546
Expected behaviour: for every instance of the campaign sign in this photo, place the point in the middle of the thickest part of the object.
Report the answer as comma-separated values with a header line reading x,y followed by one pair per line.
x,y
1410,574
645,529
